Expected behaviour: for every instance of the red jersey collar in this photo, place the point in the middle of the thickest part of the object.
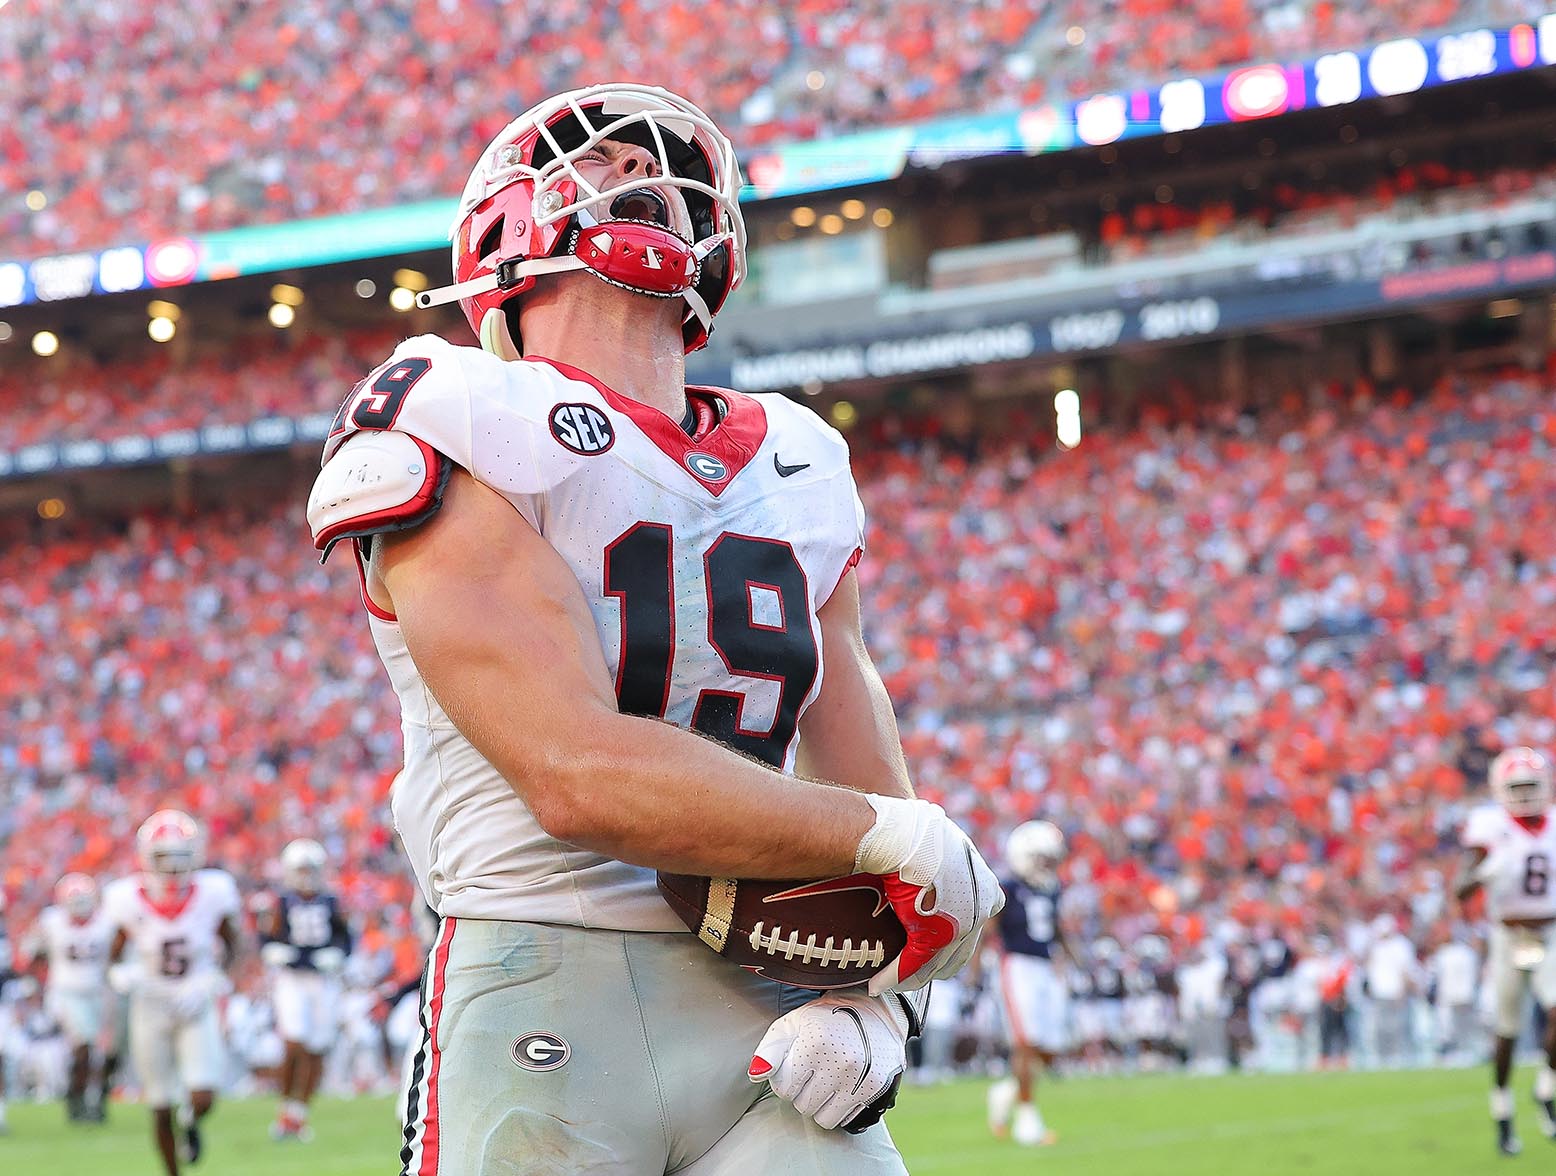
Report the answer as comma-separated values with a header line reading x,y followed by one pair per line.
x,y
717,455
171,908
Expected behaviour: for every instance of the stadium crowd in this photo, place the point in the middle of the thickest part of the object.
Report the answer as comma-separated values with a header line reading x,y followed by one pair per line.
x,y
214,116
1257,692
72,396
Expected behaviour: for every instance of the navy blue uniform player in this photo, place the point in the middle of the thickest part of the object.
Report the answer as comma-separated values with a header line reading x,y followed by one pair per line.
x,y
306,942
1036,998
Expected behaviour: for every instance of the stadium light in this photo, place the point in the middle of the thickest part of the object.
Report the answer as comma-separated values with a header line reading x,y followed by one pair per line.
x,y
1075,36
37,200
1067,414
852,209
366,288
5,332
45,343
286,295
402,299
412,280
844,414
882,218
804,216
160,308
161,329
282,315
815,80
1504,308
831,224
51,508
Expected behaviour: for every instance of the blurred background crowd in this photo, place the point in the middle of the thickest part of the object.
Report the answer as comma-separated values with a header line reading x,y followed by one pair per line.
x,y
258,112
1251,645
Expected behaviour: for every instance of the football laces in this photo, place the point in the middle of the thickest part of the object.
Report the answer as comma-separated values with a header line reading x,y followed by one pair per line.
x,y
848,954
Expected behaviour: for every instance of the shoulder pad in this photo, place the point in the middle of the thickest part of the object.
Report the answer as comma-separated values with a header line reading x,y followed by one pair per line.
x,y
376,482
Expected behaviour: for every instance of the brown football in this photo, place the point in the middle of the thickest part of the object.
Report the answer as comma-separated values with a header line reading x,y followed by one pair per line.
x,y
831,933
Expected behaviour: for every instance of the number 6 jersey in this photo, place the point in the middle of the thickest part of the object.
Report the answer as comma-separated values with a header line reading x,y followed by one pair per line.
x,y
704,557
1522,852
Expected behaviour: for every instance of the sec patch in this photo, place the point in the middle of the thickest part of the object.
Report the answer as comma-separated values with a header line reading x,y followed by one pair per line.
x,y
582,428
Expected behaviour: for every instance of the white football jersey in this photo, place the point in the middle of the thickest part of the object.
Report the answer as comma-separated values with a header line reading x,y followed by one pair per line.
x,y
703,561
77,952
1523,859
175,941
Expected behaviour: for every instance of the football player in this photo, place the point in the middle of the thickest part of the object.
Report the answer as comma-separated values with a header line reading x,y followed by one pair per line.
x,y
1036,995
1510,853
622,618
7,1011
305,941
71,947
175,926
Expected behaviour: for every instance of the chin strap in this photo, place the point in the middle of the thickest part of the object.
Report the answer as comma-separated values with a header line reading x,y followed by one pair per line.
x,y
486,283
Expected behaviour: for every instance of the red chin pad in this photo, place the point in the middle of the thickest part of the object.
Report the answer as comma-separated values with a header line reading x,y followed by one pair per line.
x,y
642,257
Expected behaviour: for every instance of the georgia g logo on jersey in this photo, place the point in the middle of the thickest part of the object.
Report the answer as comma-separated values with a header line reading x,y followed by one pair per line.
x,y
582,428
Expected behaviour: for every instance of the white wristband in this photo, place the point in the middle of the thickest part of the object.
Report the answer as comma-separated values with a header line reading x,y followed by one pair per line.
x,y
891,840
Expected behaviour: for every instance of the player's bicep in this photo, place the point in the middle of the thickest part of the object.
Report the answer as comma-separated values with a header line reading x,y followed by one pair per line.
x,y
498,628
849,734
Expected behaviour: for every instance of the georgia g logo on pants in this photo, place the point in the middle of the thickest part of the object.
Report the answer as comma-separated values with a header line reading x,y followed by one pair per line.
x,y
541,1051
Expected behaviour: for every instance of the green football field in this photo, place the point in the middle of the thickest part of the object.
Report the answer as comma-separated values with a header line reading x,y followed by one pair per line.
x,y
1409,1124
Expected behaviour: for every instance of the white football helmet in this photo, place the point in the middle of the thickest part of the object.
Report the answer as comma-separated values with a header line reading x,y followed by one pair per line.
x,y
302,865
527,210
1520,781
1034,850
171,848
76,894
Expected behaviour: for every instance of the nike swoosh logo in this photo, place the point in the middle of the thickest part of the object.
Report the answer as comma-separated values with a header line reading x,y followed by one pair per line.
x,y
785,471
867,882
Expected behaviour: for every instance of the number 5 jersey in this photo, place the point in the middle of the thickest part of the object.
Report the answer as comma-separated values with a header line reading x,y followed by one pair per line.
x,y
176,938
704,557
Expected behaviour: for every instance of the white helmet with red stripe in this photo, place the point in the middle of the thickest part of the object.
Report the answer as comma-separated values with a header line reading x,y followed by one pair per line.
x,y
76,894
528,210
1521,781
171,848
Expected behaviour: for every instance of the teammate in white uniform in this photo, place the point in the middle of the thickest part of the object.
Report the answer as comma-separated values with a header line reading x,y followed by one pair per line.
x,y
1510,852
8,987
71,939
620,614
1035,994
175,928
305,942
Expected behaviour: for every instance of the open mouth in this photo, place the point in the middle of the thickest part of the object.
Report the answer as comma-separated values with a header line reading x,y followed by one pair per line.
x,y
642,204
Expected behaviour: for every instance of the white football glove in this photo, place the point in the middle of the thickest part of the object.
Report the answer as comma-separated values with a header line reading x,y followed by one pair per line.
x,y
329,960
278,955
124,977
199,991
941,888
835,1057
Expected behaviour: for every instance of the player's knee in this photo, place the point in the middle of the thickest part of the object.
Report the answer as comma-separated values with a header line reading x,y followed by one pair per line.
x,y
201,1101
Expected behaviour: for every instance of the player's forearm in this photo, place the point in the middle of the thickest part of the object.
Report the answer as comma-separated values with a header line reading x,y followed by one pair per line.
x,y
652,794
849,734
